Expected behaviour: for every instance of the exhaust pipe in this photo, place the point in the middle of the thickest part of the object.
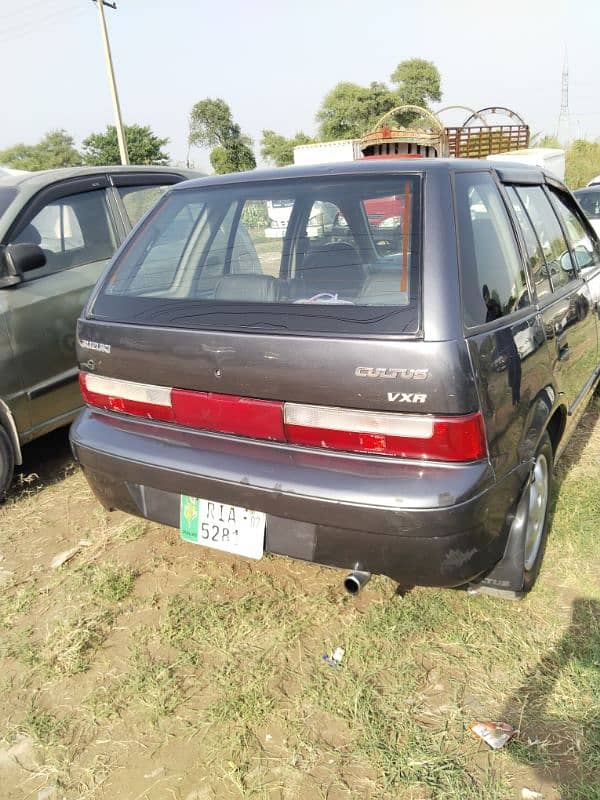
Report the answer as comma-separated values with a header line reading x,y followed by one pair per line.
x,y
355,581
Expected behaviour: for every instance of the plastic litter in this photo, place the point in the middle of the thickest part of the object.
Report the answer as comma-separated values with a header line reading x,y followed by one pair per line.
x,y
48,793
63,557
494,734
529,794
335,660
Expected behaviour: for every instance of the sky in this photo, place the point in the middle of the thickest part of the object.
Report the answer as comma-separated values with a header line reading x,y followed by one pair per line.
x,y
273,62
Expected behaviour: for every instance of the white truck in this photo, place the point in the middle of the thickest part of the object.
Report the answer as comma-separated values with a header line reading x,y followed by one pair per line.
x,y
327,152
549,158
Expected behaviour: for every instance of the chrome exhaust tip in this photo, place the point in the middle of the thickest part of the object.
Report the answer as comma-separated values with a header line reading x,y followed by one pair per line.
x,y
355,581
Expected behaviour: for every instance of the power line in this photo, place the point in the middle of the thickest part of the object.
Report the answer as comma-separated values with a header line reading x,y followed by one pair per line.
x,y
27,8
38,25
21,21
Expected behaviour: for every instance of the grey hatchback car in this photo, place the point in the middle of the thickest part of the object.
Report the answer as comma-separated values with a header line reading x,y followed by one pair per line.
x,y
58,229
387,397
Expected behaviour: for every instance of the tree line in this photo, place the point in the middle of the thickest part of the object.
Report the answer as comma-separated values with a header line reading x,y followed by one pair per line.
x,y
348,111
57,149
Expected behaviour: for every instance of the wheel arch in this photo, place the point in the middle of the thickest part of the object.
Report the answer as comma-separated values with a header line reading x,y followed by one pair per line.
x,y
556,427
8,423
543,415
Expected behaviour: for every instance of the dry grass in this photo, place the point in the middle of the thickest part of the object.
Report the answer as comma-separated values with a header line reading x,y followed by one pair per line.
x,y
161,671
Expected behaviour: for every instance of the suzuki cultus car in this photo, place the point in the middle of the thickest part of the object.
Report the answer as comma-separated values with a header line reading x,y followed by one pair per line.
x,y
380,398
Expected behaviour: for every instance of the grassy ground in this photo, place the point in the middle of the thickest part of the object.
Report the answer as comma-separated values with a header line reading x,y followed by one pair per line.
x,y
144,668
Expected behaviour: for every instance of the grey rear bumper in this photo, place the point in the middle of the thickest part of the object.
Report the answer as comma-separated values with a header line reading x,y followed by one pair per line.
x,y
422,524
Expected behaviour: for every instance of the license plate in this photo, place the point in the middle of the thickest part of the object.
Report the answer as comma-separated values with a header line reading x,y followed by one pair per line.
x,y
223,527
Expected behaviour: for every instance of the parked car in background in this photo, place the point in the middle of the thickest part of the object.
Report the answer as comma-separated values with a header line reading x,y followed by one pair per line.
x,y
58,229
392,407
589,200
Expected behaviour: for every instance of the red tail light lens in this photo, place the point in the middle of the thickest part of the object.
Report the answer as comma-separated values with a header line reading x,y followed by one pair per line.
x,y
139,399
460,438
415,436
241,416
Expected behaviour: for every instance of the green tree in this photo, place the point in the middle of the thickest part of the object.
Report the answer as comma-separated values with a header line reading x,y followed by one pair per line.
x,y
278,150
143,146
349,110
212,125
55,149
417,82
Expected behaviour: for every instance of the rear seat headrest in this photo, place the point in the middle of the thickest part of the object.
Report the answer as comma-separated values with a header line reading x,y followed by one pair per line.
x,y
383,287
252,288
333,266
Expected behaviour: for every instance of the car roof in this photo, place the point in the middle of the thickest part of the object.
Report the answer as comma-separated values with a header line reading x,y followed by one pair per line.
x,y
593,189
41,178
370,166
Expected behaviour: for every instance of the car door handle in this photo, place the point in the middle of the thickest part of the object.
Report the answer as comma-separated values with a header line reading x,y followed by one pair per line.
x,y
562,347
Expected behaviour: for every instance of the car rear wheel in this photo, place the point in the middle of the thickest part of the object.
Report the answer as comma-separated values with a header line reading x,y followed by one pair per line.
x,y
517,572
7,463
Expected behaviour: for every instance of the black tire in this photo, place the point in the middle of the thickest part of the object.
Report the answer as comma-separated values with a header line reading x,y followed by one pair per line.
x,y
517,572
531,573
7,463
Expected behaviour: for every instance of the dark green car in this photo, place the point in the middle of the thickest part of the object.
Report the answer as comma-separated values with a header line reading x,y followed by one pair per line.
x,y
58,229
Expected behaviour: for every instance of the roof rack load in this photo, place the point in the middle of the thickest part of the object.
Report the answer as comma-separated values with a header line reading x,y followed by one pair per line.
x,y
464,141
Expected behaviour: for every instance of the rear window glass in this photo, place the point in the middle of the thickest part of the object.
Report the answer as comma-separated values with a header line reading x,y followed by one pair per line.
x,y
305,255
492,275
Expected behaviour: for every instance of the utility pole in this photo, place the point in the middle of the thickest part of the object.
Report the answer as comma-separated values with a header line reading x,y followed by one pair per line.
x,y
111,80
563,129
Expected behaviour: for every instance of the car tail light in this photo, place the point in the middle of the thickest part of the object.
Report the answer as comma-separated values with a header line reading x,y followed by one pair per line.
x,y
128,397
242,416
460,438
416,436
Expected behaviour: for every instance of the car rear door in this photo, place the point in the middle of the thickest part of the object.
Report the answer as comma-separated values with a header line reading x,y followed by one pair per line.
x,y
73,224
569,321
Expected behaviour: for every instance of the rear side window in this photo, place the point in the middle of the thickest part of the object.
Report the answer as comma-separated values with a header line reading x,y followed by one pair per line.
x,y
535,255
559,265
492,275
138,199
588,199
583,249
302,255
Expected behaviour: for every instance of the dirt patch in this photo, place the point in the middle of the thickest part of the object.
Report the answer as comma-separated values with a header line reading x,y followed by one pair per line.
x,y
143,667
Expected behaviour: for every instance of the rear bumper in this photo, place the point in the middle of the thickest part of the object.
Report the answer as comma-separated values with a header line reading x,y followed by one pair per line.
x,y
439,525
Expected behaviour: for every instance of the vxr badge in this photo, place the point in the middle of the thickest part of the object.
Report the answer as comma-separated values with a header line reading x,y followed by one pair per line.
x,y
403,397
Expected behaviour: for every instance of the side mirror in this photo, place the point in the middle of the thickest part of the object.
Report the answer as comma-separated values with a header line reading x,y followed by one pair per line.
x,y
583,257
19,259
566,262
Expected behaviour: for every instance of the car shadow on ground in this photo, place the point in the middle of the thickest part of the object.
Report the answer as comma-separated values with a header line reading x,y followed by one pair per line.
x,y
578,443
570,742
46,460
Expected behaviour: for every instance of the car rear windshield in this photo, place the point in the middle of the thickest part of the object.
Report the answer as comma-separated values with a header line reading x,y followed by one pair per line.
x,y
334,254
